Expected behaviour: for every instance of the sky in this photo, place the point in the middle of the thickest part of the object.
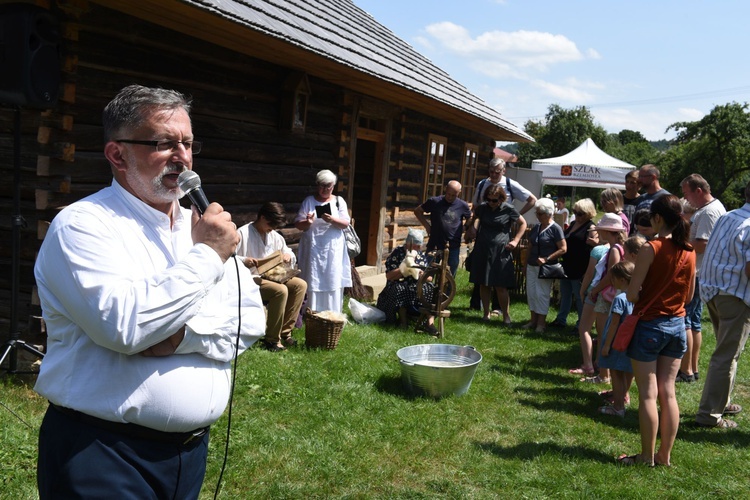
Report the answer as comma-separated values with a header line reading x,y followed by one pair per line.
x,y
636,65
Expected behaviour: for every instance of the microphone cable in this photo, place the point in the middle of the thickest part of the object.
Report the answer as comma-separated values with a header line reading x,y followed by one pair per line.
x,y
234,377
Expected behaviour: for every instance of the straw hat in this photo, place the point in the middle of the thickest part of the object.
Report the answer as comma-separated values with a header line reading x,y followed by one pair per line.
x,y
610,222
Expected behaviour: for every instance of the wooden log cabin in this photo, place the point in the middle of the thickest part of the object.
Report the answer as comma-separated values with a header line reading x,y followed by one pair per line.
x,y
281,89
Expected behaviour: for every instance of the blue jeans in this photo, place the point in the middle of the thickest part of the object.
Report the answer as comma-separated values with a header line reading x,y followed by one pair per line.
x,y
694,310
570,290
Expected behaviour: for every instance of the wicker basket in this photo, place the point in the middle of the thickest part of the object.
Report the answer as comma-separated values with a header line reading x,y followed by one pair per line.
x,y
321,332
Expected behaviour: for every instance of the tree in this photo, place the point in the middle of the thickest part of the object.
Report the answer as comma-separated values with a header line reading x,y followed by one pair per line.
x,y
626,137
561,131
631,147
568,128
530,151
717,147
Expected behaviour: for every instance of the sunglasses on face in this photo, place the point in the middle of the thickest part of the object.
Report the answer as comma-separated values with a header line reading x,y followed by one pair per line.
x,y
493,200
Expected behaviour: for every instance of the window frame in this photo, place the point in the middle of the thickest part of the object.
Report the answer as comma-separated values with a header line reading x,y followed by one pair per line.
x,y
469,164
434,173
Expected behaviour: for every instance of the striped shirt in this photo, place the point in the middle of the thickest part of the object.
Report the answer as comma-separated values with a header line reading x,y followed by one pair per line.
x,y
727,252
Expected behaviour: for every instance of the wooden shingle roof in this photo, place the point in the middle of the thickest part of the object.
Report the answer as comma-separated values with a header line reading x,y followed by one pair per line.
x,y
334,40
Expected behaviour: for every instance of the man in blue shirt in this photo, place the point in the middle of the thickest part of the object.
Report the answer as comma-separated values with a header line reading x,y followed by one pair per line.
x,y
725,287
448,214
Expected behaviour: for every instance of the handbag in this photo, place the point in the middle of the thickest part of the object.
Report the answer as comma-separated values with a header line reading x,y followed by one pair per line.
x,y
548,270
626,330
469,259
353,244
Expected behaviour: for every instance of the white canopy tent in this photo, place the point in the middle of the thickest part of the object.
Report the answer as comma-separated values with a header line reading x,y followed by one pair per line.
x,y
585,166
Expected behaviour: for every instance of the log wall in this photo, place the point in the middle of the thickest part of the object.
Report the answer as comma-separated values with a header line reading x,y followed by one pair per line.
x,y
247,157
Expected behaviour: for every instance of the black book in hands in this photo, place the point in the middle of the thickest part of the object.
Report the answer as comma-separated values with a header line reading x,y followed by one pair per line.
x,y
322,209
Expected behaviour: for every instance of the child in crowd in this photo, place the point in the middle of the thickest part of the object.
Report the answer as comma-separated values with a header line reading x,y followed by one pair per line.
x,y
611,230
620,369
606,358
588,316
612,202
562,215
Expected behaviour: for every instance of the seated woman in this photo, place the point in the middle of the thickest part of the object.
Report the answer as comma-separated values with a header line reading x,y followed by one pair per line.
x,y
402,270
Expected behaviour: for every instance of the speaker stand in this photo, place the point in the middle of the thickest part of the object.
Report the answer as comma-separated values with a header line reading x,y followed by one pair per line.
x,y
14,343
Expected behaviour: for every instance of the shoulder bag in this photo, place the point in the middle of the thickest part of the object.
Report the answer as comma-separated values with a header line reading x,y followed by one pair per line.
x,y
353,244
549,270
626,330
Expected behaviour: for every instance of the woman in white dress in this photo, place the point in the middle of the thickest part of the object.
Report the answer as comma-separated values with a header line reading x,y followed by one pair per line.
x,y
323,257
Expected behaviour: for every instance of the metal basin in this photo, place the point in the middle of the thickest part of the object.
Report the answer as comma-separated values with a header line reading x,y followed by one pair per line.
x,y
438,370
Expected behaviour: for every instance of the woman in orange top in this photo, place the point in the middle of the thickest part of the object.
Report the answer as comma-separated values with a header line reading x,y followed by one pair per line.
x,y
659,341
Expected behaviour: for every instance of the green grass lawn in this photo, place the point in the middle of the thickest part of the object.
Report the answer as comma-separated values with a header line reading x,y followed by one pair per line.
x,y
333,424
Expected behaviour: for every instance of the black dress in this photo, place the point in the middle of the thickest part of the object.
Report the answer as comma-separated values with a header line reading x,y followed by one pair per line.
x,y
402,292
492,263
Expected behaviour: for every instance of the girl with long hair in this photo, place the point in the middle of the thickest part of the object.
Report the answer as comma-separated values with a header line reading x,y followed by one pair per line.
x,y
662,283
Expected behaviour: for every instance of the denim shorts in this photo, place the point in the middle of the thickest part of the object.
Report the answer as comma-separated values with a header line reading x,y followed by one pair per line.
x,y
663,336
694,311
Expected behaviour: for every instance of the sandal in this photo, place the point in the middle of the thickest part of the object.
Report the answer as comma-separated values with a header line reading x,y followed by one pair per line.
x,y
431,330
289,341
611,400
632,460
596,379
581,371
684,377
723,423
732,409
272,346
610,410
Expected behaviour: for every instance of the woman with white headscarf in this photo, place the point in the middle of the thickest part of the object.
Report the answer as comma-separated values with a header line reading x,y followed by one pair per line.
x,y
323,256
402,270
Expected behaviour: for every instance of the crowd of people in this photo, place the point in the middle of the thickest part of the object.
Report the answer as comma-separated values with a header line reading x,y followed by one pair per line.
x,y
650,256
163,298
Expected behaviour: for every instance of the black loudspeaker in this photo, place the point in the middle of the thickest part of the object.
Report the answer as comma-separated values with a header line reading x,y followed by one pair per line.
x,y
29,56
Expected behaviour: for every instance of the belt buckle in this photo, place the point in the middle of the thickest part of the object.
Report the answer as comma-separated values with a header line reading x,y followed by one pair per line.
x,y
195,435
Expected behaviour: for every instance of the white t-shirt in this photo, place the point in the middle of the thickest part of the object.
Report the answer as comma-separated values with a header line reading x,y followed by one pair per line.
x,y
518,192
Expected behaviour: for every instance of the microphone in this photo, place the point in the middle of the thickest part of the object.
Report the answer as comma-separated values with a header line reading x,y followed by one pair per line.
x,y
190,183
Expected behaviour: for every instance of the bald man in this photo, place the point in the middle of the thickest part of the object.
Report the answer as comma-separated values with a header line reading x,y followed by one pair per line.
x,y
448,215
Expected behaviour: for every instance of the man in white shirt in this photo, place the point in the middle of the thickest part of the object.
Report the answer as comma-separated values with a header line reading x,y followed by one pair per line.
x,y
141,300
513,189
284,300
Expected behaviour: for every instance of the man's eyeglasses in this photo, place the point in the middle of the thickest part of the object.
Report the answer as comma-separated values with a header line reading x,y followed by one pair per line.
x,y
493,200
163,146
